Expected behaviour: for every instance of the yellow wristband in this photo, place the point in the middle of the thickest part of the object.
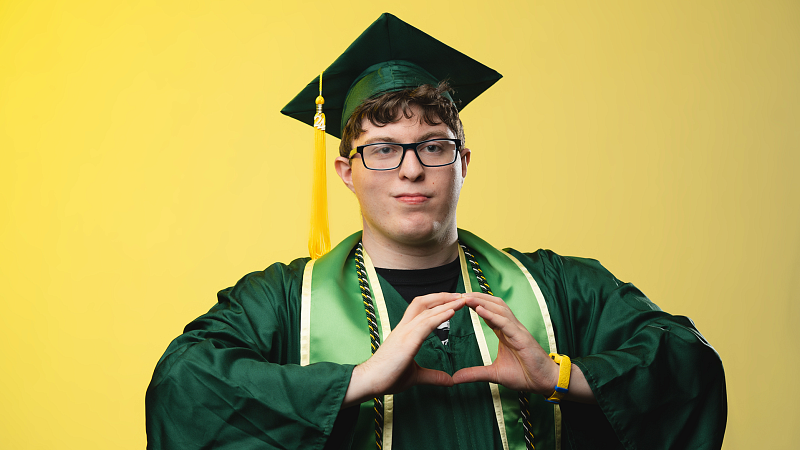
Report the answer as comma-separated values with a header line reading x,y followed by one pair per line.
x,y
565,367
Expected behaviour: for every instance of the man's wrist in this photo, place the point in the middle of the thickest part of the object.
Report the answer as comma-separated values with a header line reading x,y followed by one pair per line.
x,y
358,389
561,388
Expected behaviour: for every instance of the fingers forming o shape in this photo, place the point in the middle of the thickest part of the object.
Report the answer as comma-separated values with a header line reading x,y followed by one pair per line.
x,y
499,317
431,301
492,309
425,321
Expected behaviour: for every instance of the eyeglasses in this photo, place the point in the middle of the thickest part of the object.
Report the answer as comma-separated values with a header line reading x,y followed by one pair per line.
x,y
389,156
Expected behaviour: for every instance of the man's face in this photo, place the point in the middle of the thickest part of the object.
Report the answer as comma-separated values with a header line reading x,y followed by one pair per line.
x,y
412,205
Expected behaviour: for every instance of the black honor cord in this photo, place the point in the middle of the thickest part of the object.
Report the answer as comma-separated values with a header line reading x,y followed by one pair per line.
x,y
374,337
524,406
375,340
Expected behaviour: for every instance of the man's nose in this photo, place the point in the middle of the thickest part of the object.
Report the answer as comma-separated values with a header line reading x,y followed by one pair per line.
x,y
411,167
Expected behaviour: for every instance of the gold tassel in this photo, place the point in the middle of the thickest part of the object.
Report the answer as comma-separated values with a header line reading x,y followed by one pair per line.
x,y
319,234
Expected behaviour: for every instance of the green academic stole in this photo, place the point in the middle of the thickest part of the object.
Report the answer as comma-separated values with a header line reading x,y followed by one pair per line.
x,y
333,328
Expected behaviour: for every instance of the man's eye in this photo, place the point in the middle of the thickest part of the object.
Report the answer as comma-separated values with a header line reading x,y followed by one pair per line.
x,y
432,148
381,151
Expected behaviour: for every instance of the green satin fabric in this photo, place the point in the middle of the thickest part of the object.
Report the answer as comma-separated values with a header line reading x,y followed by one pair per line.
x,y
337,313
338,323
387,76
232,379
509,283
425,416
339,333
389,41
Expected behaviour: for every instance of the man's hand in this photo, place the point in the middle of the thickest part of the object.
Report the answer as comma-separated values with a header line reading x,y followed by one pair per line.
x,y
392,368
521,363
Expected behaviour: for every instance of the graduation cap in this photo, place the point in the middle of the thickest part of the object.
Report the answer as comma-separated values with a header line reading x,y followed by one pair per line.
x,y
389,56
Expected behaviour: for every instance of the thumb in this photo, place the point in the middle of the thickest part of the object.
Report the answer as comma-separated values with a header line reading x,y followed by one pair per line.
x,y
433,377
472,374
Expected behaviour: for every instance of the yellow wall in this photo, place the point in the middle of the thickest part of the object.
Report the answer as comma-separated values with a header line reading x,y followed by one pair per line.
x,y
145,166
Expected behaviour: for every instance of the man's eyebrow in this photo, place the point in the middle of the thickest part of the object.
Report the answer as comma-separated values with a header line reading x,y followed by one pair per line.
x,y
379,139
434,135
429,135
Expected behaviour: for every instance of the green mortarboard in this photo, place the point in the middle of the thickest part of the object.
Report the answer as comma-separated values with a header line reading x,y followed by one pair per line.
x,y
390,55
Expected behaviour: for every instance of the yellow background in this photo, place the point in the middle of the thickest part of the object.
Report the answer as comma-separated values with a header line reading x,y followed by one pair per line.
x,y
145,166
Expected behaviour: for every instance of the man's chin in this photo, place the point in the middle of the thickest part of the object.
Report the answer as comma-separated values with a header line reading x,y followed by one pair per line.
x,y
420,235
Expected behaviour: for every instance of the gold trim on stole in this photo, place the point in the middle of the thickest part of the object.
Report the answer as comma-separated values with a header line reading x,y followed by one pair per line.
x,y
386,329
484,348
385,324
551,336
305,315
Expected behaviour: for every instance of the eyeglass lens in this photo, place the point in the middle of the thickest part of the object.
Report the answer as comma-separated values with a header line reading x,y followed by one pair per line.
x,y
437,152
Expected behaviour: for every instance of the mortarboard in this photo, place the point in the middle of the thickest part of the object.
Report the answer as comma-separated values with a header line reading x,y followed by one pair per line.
x,y
390,55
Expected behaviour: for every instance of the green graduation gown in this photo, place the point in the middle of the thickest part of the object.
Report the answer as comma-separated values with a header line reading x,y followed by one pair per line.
x,y
233,379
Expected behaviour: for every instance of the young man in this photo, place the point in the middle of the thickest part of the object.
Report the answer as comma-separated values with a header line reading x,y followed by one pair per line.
x,y
415,334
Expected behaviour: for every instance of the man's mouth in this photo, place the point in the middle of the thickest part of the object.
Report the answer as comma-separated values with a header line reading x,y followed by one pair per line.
x,y
412,198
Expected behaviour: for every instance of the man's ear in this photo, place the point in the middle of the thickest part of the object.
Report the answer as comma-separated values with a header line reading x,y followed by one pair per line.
x,y
465,155
345,171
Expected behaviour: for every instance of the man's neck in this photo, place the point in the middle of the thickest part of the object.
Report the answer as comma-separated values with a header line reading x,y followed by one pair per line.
x,y
389,254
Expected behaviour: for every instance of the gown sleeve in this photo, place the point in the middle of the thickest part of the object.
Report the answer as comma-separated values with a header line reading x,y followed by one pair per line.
x,y
233,379
657,381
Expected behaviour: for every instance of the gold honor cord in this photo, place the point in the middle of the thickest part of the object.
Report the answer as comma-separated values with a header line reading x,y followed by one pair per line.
x,y
367,277
484,349
551,335
335,305
386,329
319,235
524,405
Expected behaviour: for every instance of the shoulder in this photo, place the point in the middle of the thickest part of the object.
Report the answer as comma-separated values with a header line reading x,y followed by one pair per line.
x,y
276,273
277,279
270,295
581,280
249,314
550,265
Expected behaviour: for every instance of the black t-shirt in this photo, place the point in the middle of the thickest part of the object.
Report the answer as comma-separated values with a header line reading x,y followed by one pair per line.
x,y
416,282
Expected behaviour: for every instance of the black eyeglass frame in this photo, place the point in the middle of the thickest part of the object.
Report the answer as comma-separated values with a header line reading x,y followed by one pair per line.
x,y
413,146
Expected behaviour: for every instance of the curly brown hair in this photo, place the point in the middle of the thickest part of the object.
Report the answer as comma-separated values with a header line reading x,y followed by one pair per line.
x,y
386,108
